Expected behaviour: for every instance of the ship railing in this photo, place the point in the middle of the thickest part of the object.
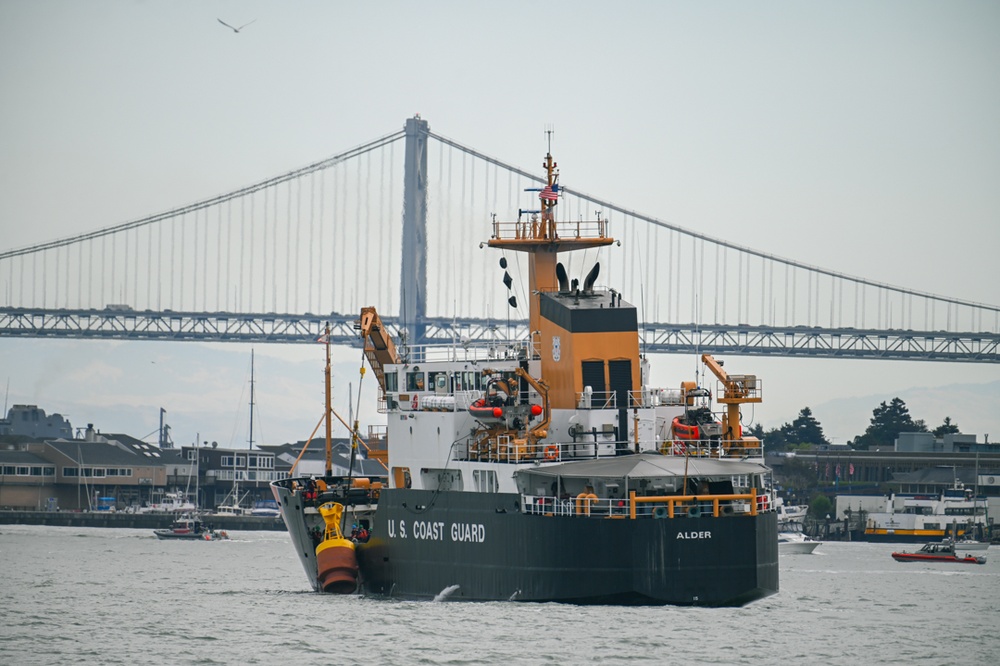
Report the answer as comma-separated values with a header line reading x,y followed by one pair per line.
x,y
488,350
713,448
494,447
506,449
536,228
649,507
589,399
584,507
673,506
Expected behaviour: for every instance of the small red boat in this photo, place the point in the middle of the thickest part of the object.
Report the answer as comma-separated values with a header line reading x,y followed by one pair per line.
x,y
937,552
483,411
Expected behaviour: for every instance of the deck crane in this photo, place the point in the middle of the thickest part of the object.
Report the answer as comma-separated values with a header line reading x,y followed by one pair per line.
x,y
736,390
380,350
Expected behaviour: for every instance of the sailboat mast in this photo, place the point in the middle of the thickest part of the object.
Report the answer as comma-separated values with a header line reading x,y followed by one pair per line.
x,y
251,404
329,410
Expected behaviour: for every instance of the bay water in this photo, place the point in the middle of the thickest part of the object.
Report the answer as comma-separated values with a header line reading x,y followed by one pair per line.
x,y
117,596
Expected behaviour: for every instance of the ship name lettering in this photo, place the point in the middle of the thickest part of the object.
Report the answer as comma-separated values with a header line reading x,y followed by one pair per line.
x,y
475,533
428,530
694,535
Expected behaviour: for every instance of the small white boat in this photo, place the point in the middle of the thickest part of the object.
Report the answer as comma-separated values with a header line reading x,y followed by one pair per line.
x,y
267,508
795,543
790,513
971,544
175,502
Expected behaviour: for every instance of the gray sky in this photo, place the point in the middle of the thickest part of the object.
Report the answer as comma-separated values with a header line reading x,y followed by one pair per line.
x,y
860,137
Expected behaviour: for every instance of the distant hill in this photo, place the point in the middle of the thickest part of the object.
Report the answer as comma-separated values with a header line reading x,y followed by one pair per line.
x,y
972,407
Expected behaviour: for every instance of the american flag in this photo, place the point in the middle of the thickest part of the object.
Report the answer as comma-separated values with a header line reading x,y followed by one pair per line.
x,y
852,469
549,192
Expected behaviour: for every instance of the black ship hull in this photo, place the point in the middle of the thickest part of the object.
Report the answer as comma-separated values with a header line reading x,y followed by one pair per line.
x,y
481,547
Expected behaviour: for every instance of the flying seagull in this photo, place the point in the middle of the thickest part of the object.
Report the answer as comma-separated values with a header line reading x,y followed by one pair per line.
x,y
232,28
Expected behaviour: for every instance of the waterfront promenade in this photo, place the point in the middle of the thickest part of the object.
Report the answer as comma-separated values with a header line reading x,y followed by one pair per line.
x,y
150,521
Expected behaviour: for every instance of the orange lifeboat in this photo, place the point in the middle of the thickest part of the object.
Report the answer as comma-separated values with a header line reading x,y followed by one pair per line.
x,y
481,410
684,431
336,561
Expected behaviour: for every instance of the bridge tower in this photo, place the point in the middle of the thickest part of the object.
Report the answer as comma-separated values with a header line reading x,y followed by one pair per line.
x,y
413,274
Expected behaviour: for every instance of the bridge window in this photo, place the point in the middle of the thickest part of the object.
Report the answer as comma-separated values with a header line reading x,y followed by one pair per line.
x,y
415,381
468,381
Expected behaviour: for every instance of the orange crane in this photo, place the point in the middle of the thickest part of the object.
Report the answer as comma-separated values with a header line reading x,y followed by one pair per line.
x,y
380,350
736,390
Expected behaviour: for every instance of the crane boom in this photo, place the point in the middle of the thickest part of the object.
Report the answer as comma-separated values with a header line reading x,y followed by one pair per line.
x,y
380,350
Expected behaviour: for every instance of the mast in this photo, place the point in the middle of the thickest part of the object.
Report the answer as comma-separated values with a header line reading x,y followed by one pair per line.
x,y
197,472
251,407
329,409
539,237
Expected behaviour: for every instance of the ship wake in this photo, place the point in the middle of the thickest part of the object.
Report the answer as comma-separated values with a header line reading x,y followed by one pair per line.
x,y
446,592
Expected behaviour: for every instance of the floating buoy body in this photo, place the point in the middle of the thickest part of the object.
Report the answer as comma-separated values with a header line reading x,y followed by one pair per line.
x,y
337,566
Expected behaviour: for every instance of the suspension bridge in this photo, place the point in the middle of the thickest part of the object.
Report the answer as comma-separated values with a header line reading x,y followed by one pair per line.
x,y
396,223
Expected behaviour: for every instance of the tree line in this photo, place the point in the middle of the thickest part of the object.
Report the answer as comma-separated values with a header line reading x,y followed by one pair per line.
x,y
887,422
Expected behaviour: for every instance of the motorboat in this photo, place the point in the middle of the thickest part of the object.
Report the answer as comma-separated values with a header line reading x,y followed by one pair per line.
x,y
938,552
971,544
793,514
173,502
795,543
267,508
191,528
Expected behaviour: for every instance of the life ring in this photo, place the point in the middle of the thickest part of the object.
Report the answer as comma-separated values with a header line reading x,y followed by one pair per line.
x,y
551,452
